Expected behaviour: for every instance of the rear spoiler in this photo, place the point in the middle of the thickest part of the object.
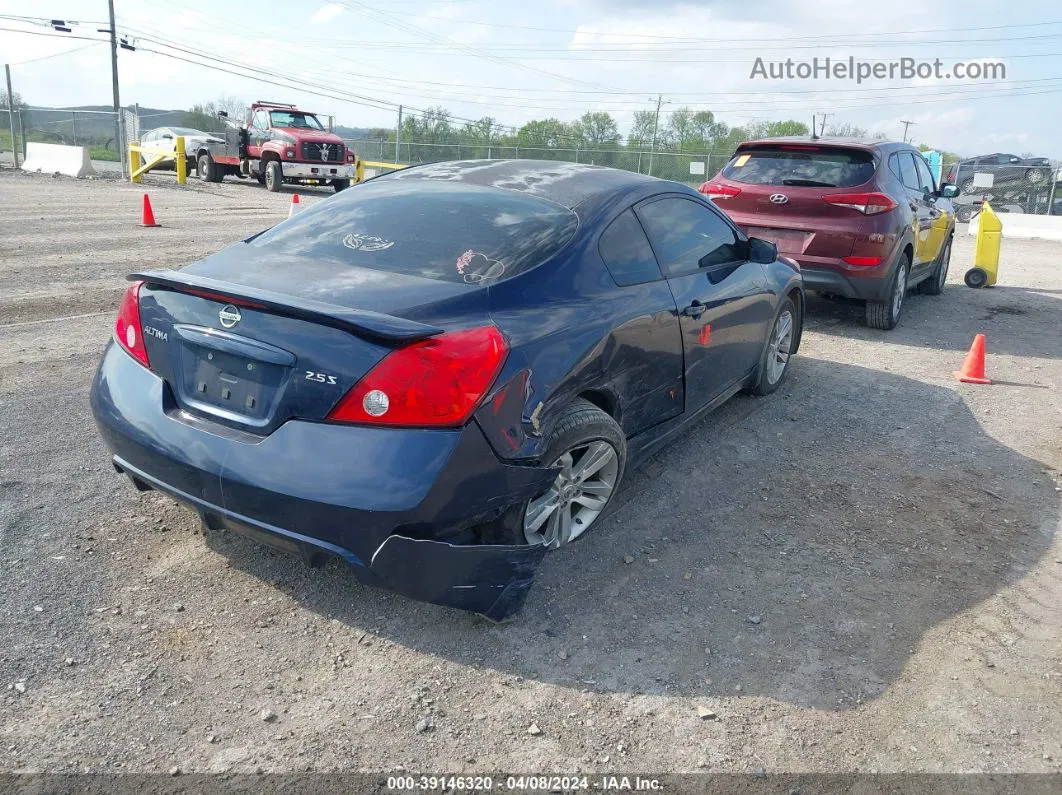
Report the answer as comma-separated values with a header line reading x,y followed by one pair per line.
x,y
364,323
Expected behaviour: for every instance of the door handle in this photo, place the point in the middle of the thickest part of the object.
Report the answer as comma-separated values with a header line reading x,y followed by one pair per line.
x,y
694,310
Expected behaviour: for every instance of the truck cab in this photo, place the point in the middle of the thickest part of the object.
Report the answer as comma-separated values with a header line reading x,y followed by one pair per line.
x,y
278,144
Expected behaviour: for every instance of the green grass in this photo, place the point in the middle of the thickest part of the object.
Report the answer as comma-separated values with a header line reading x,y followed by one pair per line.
x,y
102,153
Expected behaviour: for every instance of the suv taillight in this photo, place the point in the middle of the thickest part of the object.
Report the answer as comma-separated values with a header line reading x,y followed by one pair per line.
x,y
866,203
716,190
128,331
437,382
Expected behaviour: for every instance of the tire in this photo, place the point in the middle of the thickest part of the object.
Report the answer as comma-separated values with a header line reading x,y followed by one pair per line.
x,y
274,176
340,184
1034,176
967,186
885,314
934,285
976,278
583,430
965,213
207,169
778,352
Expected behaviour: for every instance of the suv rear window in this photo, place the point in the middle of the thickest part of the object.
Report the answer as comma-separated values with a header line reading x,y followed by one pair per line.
x,y
808,166
453,232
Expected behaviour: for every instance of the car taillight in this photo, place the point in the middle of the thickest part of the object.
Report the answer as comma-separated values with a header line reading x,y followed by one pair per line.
x,y
866,261
128,331
866,203
437,382
716,190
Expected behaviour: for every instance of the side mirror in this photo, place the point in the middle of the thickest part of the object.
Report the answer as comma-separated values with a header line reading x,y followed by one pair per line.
x,y
949,191
1015,160
331,123
167,136
761,250
223,114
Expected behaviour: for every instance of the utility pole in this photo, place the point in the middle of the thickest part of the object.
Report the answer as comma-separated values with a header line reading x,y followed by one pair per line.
x,y
11,113
398,136
905,124
656,125
114,88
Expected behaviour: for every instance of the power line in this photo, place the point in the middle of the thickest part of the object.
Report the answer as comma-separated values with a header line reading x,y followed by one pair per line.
x,y
58,54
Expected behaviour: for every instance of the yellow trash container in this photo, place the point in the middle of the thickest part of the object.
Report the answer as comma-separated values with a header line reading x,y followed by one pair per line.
x,y
986,250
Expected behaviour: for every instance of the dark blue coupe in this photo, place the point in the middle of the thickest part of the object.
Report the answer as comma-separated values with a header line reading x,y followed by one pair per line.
x,y
443,373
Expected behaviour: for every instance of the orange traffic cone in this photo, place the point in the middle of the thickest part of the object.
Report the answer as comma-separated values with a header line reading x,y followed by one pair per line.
x,y
148,217
295,207
973,369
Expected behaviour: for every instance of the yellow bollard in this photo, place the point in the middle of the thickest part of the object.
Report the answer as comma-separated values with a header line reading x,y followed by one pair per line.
x,y
986,249
182,161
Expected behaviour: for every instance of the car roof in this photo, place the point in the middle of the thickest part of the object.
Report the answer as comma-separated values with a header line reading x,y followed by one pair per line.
x,y
853,143
567,184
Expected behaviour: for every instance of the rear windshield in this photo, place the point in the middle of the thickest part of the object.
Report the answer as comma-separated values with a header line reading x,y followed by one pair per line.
x,y
451,232
801,166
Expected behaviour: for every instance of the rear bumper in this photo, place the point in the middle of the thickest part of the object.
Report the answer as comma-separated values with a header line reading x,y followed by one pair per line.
x,y
839,278
317,171
390,502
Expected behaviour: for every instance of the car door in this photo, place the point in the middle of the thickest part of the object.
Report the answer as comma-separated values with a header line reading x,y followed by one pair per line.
x,y
723,301
922,222
258,133
939,214
646,341
1008,168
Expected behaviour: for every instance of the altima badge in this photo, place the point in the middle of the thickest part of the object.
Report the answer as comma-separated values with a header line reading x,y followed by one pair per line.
x,y
779,198
229,316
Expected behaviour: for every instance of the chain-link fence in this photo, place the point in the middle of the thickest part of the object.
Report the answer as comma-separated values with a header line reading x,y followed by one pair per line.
x,y
691,168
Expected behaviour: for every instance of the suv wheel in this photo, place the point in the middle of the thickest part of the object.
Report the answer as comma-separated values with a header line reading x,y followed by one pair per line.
x,y
1034,176
934,285
886,314
967,186
274,176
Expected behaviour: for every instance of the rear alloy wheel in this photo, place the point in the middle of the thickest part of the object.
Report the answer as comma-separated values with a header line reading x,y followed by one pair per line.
x,y
1034,176
934,285
886,314
967,186
590,450
785,334
274,176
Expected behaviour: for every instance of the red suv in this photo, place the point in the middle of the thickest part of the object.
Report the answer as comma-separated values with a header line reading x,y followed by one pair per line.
x,y
863,220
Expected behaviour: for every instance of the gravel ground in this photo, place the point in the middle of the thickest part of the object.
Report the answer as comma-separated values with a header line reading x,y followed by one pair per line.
x,y
858,573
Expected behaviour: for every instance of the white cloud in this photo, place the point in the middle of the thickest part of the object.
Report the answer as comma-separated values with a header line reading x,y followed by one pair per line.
x,y
326,13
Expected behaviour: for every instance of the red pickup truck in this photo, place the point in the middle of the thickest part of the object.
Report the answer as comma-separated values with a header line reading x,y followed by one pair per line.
x,y
278,144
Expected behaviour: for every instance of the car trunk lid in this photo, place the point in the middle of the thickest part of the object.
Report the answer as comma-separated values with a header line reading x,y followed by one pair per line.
x,y
252,356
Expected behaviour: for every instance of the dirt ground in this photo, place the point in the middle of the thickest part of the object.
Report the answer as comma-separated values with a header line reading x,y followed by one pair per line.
x,y
862,572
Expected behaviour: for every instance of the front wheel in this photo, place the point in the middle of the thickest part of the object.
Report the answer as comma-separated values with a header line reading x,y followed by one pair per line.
x,y
590,452
886,314
340,184
782,344
934,285
274,176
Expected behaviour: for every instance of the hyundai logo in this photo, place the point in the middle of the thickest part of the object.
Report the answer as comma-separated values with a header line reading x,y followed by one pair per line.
x,y
229,316
779,198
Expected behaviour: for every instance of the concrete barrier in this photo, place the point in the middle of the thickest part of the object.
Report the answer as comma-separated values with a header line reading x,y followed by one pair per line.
x,y
55,158
1025,226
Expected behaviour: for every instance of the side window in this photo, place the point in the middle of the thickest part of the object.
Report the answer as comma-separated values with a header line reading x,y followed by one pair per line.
x,y
894,165
1004,160
260,122
908,175
925,176
626,251
687,236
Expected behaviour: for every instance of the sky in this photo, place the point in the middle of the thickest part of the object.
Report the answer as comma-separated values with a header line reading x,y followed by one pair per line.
x,y
517,61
